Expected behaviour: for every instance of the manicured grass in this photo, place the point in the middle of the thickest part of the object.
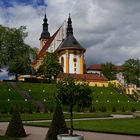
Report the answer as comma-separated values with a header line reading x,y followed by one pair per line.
x,y
102,97
6,92
39,91
40,116
121,126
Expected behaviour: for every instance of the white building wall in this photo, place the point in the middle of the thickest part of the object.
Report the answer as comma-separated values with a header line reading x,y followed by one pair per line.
x,y
94,71
71,64
58,38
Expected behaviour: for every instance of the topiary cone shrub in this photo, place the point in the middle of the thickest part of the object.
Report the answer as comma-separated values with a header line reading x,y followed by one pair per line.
x,y
15,127
58,124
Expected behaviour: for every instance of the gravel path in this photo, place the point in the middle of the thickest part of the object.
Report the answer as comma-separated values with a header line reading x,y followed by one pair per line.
x,y
39,133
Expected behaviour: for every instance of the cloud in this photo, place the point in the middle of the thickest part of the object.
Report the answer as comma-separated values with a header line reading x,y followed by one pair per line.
x,y
108,29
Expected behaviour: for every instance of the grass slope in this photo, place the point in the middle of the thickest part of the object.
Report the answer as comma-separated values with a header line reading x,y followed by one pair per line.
x,y
102,97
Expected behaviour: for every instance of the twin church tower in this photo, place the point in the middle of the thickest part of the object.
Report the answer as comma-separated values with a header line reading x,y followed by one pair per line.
x,y
63,42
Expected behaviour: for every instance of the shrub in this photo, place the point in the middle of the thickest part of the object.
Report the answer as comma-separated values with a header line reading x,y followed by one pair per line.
x,y
5,111
103,109
123,109
30,110
46,110
11,110
113,109
15,127
92,109
21,110
58,125
133,109
37,110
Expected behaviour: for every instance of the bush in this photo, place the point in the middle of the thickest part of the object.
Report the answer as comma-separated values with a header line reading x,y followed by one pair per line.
x,y
11,110
133,109
92,109
5,111
58,125
123,109
15,127
37,110
113,109
21,110
103,109
30,110
46,110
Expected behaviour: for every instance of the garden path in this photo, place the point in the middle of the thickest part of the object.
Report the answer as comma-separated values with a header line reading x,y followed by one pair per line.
x,y
39,133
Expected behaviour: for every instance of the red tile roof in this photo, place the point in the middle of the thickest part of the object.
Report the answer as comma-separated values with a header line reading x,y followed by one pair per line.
x,y
87,77
95,67
99,67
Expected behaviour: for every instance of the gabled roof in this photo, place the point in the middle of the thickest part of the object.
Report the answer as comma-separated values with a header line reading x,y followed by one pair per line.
x,y
70,43
98,67
95,67
87,77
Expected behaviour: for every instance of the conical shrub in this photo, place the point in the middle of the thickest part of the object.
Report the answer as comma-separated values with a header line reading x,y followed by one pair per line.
x,y
58,125
15,127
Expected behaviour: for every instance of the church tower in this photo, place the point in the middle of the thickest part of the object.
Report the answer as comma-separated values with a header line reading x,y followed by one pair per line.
x,y
45,35
71,53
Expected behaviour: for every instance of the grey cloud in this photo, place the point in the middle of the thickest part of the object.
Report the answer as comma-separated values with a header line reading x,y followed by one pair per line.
x,y
108,29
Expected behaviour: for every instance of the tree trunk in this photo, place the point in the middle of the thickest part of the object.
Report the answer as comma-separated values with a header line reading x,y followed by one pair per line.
x,y
71,119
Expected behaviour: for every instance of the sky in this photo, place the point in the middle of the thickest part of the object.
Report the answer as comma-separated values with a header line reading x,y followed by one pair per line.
x,y
108,29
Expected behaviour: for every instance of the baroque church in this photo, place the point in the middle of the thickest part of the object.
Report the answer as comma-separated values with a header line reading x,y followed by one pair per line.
x,y
70,53
69,50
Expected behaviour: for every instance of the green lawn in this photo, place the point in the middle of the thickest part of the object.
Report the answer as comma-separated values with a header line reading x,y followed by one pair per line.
x,y
41,116
102,97
40,91
121,126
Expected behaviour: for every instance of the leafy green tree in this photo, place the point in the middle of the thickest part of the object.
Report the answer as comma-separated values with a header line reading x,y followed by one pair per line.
x,y
108,72
70,93
15,127
3,36
14,53
132,71
58,124
51,66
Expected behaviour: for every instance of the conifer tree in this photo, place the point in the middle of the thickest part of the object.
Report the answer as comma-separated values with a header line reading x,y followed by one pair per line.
x,y
15,127
58,125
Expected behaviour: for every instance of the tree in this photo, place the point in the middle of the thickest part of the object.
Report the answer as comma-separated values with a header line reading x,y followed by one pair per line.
x,y
58,124
15,127
132,71
14,53
51,66
69,93
3,35
108,72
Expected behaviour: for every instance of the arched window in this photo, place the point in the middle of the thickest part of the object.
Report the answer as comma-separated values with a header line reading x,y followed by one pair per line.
x,y
62,61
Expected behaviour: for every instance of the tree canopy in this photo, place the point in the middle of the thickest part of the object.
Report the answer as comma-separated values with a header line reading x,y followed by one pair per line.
x,y
15,54
108,72
132,71
51,66
70,92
